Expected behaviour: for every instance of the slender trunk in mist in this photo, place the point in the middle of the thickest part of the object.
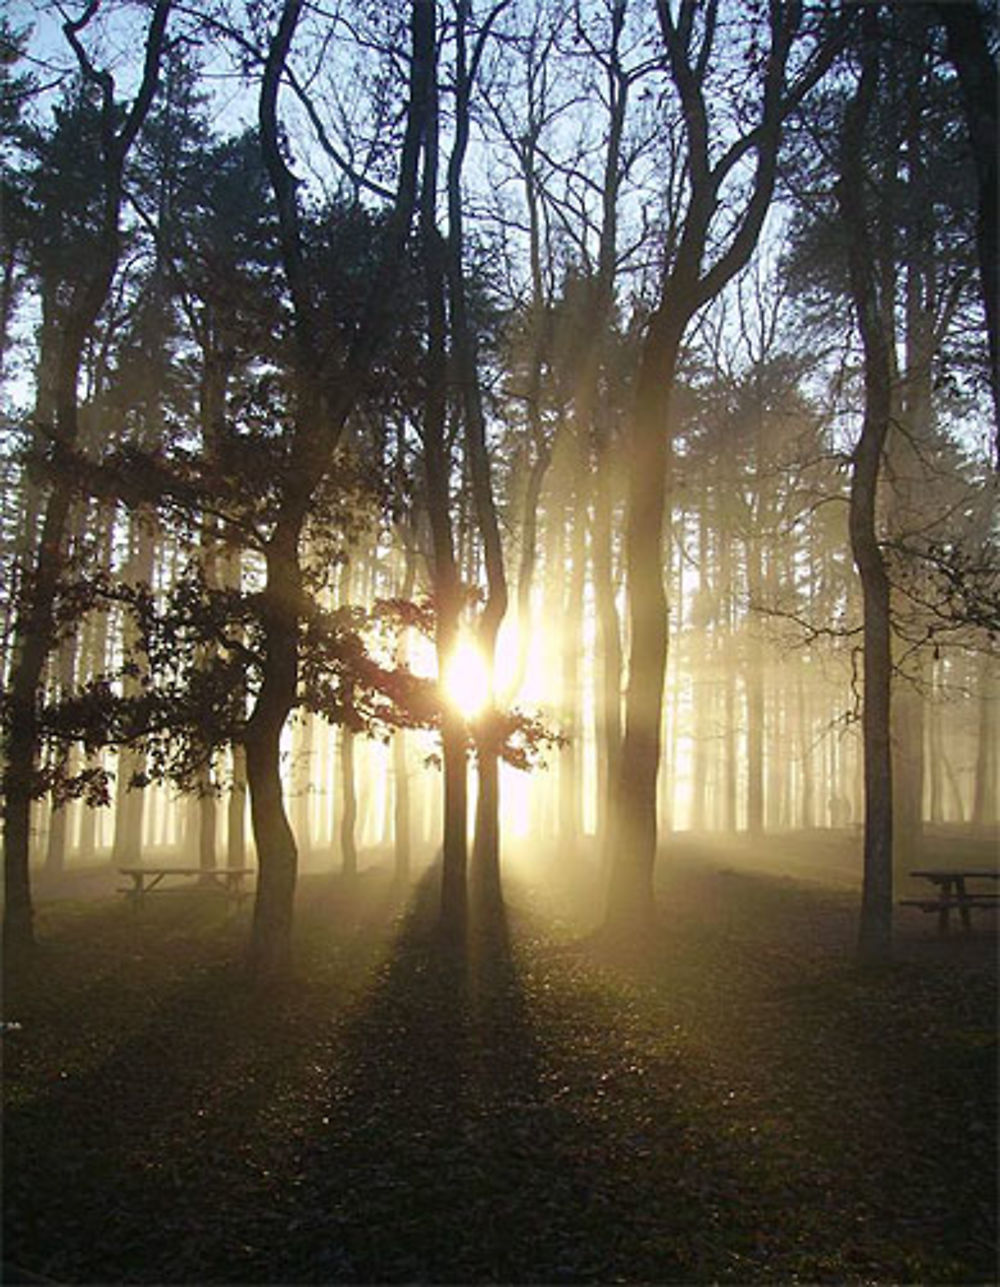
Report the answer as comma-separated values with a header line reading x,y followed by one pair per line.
x,y
754,686
236,801
807,787
207,811
55,850
94,658
727,658
126,847
348,805
870,306
402,826
703,688
934,745
236,809
987,768
608,698
538,452
571,623
205,804
912,411
34,627
303,757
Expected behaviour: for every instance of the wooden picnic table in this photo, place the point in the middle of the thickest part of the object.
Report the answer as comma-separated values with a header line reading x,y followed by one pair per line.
x,y
148,880
954,893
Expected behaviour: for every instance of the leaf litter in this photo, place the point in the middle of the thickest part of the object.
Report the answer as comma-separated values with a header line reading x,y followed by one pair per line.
x,y
738,1104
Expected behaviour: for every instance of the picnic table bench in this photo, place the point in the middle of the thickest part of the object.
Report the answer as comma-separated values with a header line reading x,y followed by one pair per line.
x,y
954,893
153,880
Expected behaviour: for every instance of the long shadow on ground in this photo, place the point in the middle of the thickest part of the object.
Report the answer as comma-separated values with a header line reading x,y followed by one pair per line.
x,y
466,1141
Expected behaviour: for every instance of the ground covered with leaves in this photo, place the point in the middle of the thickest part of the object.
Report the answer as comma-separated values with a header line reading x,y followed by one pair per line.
x,y
741,1103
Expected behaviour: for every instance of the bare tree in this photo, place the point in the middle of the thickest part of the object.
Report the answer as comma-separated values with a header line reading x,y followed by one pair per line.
x,y
710,240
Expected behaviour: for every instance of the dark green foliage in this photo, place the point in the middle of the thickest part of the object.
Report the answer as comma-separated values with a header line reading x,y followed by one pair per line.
x,y
742,1106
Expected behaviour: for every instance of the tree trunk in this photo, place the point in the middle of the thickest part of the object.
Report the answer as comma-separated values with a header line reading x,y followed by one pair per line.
x,y
401,821
236,855
630,904
571,755
55,852
873,312
444,570
755,692
277,856
486,848
984,795
126,847
206,815
348,806
608,698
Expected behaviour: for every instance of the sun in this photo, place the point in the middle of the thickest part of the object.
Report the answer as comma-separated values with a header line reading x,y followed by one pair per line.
x,y
467,680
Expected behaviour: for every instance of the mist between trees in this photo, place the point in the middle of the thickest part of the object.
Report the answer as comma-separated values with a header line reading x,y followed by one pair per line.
x,y
646,350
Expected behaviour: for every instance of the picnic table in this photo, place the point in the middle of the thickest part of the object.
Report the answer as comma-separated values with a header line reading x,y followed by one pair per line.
x,y
954,893
160,880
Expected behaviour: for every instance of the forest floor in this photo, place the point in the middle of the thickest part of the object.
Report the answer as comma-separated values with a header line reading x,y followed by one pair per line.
x,y
739,1104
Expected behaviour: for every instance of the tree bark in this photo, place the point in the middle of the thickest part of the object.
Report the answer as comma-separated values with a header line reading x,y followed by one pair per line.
x,y
348,806
871,308
270,939
444,569
486,844
987,768
630,905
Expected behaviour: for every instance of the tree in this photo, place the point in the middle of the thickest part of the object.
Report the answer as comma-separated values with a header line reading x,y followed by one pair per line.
x,y
82,295
869,276
710,240
325,394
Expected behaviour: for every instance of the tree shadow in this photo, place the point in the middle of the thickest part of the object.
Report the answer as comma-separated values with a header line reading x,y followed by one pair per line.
x,y
470,1135
141,1131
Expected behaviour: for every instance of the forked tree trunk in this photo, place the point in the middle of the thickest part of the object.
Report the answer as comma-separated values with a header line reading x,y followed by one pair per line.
x,y
688,283
486,847
322,408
